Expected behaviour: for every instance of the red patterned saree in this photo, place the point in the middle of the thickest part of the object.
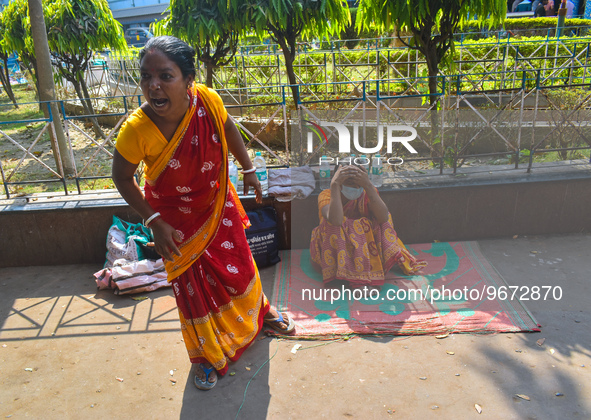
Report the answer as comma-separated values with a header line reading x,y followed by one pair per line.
x,y
360,250
215,281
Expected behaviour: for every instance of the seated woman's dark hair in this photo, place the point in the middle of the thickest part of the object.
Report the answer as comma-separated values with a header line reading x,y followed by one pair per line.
x,y
360,166
181,53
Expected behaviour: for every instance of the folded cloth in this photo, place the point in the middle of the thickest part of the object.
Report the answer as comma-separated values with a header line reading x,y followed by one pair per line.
x,y
132,277
288,183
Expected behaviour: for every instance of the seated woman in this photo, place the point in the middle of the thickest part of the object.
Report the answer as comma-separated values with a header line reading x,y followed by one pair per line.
x,y
355,240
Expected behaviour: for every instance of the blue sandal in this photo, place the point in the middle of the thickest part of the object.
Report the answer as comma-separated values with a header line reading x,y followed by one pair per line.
x,y
275,324
205,386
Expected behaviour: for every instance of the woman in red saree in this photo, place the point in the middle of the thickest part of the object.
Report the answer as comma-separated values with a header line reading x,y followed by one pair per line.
x,y
356,240
182,133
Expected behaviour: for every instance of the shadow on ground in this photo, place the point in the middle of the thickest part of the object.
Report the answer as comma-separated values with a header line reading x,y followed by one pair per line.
x,y
67,351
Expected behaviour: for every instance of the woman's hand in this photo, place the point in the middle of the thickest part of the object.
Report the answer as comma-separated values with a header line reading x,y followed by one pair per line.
x,y
164,239
251,180
354,174
164,234
236,146
361,178
340,176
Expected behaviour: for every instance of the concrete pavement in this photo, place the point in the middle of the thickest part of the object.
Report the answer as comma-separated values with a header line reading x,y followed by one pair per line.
x,y
63,345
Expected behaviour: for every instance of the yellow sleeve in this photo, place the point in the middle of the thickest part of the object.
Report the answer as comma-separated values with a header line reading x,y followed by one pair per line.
x,y
128,143
139,139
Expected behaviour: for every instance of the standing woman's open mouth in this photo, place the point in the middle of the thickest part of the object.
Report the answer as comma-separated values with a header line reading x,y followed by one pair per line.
x,y
159,102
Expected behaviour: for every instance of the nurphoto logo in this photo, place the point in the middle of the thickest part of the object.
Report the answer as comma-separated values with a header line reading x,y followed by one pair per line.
x,y
344,138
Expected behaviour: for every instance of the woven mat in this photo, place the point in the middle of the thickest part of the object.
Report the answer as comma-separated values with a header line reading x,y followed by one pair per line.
x,y
459,291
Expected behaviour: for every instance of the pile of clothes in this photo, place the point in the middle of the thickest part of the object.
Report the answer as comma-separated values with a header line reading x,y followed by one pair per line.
x,y
132,265
289,183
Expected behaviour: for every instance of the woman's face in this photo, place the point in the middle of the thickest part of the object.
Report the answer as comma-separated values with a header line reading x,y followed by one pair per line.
x,y
350,183
350,187
164,86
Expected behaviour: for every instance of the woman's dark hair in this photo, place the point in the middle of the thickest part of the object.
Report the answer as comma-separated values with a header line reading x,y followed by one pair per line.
x,y
181,53
338,165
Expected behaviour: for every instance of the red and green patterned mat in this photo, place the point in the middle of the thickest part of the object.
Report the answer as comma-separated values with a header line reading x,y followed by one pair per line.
x,y
458,292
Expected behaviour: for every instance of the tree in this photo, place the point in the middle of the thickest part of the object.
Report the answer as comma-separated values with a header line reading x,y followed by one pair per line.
x,y
212,27
350,34
4,70
17,35
286,20
431,22
46,86
76,28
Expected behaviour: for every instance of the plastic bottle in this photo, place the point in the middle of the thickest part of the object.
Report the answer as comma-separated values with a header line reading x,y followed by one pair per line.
x,y
351,159
233,174
261,172
324,174
377,177
363,161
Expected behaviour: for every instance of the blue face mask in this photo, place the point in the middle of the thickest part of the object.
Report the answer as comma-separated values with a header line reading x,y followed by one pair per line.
x,y
351,193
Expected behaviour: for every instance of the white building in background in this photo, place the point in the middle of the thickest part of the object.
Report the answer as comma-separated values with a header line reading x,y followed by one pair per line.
x,y
137,12
131,12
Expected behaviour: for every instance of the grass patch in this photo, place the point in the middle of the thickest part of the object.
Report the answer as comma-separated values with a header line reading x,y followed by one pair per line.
x,y
96,184
57,187
28,108
556,157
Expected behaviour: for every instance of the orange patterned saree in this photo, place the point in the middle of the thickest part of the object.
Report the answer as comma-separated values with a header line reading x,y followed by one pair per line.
x,y
360,250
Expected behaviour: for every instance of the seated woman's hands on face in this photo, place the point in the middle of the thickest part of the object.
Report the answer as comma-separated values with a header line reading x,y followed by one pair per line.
x,y
352,175
357,176
339,177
